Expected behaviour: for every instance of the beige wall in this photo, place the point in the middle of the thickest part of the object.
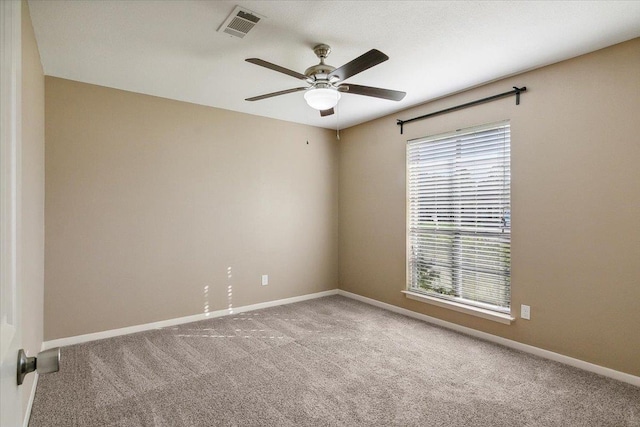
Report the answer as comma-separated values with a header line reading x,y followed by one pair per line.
x,y
150,201
575,205
32,231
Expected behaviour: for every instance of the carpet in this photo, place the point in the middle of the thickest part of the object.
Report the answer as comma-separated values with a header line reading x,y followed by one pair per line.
x,y
331,361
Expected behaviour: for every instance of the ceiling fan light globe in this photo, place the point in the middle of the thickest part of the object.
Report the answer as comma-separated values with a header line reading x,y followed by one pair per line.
x,y
322,99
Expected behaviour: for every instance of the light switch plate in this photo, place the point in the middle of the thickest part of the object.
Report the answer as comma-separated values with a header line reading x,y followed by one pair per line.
x,y
525,312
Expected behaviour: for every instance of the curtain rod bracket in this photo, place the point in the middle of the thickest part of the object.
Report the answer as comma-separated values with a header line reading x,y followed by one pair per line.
x,y
516,91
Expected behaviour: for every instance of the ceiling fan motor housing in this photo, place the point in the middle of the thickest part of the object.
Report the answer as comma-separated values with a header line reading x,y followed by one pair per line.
x,y
314,70
321,70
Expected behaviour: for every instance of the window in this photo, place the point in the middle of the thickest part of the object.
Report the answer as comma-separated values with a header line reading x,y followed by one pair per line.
x,y
459,224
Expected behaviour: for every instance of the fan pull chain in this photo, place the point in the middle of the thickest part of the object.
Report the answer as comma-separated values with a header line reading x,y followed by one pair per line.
x,y
337,122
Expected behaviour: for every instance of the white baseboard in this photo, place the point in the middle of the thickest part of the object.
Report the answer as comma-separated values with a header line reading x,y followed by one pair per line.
x,y
32,395
79,339
577,363
581,364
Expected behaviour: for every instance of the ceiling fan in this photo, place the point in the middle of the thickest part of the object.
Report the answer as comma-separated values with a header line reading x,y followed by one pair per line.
x,y
325,81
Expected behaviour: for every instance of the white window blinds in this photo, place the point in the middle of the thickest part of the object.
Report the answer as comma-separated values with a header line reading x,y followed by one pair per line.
x,y
460,216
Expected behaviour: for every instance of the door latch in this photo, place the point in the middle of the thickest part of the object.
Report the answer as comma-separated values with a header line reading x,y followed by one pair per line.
x,y
47,361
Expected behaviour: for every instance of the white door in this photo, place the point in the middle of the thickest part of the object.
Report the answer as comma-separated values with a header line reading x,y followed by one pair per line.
x,y
10,333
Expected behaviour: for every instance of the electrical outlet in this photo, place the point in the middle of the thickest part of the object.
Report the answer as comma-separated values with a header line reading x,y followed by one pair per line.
x,y
525,312
265,279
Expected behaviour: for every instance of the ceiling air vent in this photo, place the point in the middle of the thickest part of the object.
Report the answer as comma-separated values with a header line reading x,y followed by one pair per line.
x,y
240,22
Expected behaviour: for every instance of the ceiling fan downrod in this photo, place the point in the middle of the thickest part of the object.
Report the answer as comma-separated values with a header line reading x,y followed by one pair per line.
x,y
321,51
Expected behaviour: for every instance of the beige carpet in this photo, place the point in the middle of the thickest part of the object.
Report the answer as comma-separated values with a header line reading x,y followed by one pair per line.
x,y
326,362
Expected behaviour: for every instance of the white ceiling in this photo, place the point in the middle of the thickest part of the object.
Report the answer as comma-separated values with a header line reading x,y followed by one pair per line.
x,y
172,48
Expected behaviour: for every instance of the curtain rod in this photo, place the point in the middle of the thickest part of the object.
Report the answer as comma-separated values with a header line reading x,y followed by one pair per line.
x,y
516,91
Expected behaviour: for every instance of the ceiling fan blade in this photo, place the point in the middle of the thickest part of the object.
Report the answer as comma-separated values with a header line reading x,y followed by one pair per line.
x,y
277,68
376,92
324,113
358,65
269,95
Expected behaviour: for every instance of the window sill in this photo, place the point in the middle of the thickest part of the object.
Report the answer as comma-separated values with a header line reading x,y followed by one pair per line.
x,y
473,311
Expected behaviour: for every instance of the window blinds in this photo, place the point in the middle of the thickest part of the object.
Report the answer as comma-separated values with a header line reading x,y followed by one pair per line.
x,y
460,217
